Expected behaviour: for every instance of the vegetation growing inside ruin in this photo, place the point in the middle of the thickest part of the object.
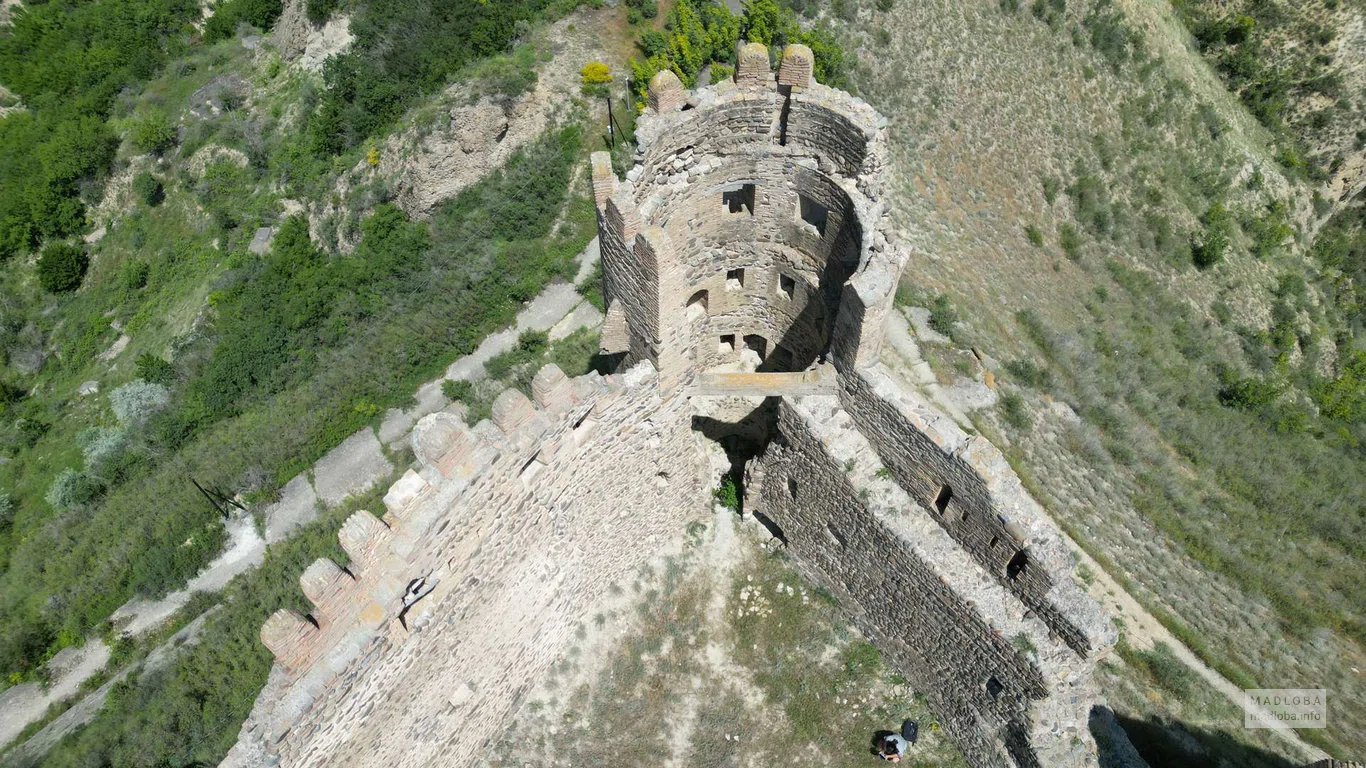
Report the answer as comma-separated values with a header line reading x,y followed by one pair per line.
x,y
745,660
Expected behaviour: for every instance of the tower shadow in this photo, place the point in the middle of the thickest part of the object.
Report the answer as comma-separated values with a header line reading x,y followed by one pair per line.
x,y
1164,743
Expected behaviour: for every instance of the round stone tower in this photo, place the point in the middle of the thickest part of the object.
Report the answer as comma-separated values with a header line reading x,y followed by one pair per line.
x,y
749,234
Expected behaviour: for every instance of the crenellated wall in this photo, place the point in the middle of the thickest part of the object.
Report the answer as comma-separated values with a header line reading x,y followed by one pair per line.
x,y
751,205
750,239
585,481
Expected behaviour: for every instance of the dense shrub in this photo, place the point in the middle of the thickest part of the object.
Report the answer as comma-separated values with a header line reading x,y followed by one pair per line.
x,y
102,448
1344,398
458,390
71,488
1211,247
228,14
320,10
727,494
148,188
154,369
1248,393
1029,373
61,267
153,132
136,402
1015,412
943,316
133,275
7,510
1070,241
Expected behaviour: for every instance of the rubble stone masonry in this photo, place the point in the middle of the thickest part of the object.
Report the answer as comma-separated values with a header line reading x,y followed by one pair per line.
x,y
749,269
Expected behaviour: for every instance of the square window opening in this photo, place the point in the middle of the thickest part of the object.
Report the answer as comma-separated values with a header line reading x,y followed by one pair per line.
x,y
942,499
787,285
735,278
813,214
739,200
727,345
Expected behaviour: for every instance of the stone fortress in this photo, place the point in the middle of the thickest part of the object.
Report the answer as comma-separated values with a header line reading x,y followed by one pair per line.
x,y
749,272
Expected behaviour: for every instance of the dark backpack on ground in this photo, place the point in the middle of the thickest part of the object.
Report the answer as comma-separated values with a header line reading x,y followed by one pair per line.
x,y
910,731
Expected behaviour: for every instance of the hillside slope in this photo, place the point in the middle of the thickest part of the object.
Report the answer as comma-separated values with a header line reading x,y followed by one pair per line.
x,y
1062,168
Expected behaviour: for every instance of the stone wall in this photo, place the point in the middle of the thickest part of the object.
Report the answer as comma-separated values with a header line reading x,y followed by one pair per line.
x,y
518,525
972,493
765,199
1004,686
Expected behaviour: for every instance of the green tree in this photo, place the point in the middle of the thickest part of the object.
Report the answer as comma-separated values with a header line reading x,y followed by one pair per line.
x,y
61,267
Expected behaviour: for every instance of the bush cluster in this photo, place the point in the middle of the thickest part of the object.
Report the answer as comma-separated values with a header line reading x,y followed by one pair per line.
x,y
61,267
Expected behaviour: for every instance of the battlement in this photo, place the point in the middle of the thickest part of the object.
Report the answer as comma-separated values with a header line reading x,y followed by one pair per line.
x,y
519,470
749,269
753,208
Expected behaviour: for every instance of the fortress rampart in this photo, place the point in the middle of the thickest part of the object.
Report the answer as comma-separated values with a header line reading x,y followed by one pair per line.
x,y
749,271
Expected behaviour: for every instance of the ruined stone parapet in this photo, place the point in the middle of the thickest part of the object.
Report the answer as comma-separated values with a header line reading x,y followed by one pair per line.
x,y
795,70
1005,686
976,497
666,92
477,496
289,635
751,66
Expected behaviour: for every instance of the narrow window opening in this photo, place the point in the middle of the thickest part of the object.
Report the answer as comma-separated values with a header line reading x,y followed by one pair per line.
x,y
813,214
835,535
787,285
739,200
1017,565
792,487
697,306
584,427
531,468
727,345
994,541
735,278
994,687
942,499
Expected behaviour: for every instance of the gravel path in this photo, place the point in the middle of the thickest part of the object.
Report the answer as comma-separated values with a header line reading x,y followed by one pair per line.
x,y
22,704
